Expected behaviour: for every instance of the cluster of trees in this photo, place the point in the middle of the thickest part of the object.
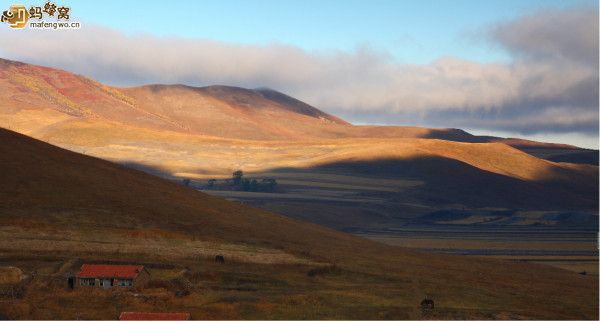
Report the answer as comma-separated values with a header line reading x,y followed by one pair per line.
x,y
240,183
253,185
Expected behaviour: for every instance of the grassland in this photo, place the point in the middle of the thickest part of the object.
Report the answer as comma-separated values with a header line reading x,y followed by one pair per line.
x,y
381,209
60,209
257,283
212,291
245,290
570,249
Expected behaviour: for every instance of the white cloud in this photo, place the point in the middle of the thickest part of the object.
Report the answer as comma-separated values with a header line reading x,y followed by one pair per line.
x,y
554,73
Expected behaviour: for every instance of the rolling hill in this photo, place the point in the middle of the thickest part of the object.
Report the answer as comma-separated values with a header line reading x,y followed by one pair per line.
x,y
81,114
39,101
199,133
58,208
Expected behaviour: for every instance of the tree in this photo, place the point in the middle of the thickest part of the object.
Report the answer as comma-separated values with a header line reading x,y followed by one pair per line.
x,y
269,184
237,177
253,186
211,183
245,184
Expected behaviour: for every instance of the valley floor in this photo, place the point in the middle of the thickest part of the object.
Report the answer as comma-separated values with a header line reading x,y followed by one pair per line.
x,y
567,248
382,209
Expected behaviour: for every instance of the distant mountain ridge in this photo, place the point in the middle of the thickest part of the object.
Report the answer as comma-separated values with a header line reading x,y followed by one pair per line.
x,y
37,99
181,129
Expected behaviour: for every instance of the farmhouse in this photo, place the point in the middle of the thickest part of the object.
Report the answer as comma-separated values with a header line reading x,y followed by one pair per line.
x,y
154,316
107,276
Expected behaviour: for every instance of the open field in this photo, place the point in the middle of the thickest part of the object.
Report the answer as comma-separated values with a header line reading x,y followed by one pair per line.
x,y
338,197
139,242
60,209
570,249
363,206
233,290
252,289
229,291
254,282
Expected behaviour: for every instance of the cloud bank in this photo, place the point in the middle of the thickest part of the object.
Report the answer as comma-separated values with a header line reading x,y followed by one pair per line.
x,y
551,85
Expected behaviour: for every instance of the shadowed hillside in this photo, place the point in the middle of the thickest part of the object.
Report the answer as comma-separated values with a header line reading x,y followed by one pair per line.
x,y
59,204
448,181
52,185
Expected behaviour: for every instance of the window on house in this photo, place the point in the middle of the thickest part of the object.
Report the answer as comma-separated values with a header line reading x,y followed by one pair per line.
x,y
105,282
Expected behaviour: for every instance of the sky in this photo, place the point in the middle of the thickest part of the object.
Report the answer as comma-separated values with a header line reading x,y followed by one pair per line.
x,y
517,68
412,31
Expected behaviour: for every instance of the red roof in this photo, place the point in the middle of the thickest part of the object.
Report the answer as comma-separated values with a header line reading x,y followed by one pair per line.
x,y
109,271
154,316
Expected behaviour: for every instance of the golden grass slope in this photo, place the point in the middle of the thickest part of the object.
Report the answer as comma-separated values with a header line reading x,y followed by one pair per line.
x,y
198,132
221,111
55,192
196,155
186,129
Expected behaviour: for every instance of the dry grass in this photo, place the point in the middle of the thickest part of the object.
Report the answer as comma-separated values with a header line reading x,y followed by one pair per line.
x,y
249,291
121,243
192,154
221,129
49,195
60,193
454,243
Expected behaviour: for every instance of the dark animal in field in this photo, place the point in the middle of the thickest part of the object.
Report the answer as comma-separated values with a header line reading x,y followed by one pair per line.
x,y
71,282
583,273
427,304
219,259
182,293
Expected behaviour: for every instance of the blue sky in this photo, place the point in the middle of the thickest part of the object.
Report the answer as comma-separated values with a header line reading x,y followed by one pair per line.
x,y
411,31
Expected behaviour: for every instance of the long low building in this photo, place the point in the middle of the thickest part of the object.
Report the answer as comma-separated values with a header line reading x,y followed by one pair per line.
x,y
108,276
